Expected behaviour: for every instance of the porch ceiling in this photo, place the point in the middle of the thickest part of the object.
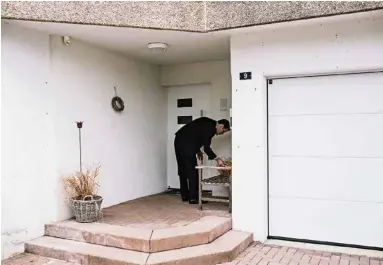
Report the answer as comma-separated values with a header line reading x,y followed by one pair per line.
x,y
184,47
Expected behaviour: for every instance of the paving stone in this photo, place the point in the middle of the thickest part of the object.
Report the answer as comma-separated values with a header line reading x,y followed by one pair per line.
x,y
25,258
293,256
32,259
160,211
254,254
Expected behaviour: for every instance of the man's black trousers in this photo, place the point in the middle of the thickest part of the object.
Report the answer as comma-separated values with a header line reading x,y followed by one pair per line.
x,y
186,161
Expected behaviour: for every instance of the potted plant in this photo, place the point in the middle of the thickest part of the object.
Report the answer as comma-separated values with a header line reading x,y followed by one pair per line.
x,y
81,188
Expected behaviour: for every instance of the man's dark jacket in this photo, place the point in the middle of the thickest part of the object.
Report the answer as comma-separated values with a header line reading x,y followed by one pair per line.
x,y
196,134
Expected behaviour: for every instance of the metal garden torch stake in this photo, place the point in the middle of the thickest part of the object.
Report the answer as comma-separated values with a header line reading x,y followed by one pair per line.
x,y
79,126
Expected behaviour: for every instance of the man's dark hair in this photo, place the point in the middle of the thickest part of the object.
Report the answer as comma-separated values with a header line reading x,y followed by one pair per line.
x,y
225,123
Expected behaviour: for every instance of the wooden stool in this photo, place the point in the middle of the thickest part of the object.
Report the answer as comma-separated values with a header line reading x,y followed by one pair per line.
x,y
218,181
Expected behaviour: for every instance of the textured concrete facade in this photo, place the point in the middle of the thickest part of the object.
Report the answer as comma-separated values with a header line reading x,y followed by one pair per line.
x,y
196,16
234,14
183,15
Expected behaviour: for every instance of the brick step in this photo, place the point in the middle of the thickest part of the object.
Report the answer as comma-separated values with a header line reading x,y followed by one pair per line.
x,y
223,249
203,231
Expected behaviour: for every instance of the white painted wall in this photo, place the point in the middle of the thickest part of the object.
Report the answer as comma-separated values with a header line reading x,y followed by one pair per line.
x,y
40,137
217,73
327,45
84,77
27,141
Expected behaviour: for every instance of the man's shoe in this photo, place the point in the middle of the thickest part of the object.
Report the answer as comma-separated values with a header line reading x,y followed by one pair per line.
x,y
185,199
193,202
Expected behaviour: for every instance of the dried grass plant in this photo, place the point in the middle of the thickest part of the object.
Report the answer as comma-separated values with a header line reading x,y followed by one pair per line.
x,y
80,184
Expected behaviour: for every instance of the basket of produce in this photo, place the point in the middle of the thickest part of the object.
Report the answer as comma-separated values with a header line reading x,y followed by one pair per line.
x,y
226,172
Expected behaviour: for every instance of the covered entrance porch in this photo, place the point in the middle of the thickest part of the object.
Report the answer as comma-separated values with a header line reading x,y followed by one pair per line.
x,y
157,229
81,73
78,76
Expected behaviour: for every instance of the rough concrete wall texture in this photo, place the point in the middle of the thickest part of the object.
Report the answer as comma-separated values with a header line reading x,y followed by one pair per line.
x,y
183,15
197,16
233,14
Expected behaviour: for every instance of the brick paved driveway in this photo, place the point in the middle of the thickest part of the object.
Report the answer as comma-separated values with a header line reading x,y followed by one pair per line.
x,y
261,254
256,254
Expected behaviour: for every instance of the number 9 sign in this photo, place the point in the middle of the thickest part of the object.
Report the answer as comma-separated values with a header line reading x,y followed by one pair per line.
x,y
245,76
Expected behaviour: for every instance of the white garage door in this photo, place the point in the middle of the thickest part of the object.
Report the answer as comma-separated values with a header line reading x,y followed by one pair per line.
x,y
326,159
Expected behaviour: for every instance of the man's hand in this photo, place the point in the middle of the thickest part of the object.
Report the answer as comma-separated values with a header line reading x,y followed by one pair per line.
x,y
220,163
200,155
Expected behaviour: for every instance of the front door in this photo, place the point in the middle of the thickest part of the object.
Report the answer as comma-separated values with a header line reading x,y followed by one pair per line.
x,y
185,103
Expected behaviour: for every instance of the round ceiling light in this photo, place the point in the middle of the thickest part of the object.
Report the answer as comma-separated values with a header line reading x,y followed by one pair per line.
x,y
157,47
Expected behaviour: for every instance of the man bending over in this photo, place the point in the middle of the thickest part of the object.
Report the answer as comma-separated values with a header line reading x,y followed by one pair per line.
x,y
187,144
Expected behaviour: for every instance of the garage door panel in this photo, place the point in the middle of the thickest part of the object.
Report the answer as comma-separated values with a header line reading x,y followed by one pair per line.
x,y
319,220
326,158
332,94
327,178
327,135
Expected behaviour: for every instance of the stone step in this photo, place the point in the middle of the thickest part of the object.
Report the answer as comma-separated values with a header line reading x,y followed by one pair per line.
x,y
203,231
84,253
223,249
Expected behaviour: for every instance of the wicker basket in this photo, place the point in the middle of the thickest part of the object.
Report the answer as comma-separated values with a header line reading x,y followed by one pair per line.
x,y
87,210
226,173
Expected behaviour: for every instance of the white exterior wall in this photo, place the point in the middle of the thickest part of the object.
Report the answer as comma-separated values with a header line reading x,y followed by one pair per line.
x,y
217,73
46,87
349,43
28,173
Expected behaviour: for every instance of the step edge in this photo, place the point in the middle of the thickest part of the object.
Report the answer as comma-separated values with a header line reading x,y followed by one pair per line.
x,y
106,240
78,257
187,239
229,253
198,226
63,224
225,253
110,239
124,230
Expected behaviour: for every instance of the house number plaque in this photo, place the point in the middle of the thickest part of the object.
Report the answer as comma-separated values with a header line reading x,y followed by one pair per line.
x,y
245,76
